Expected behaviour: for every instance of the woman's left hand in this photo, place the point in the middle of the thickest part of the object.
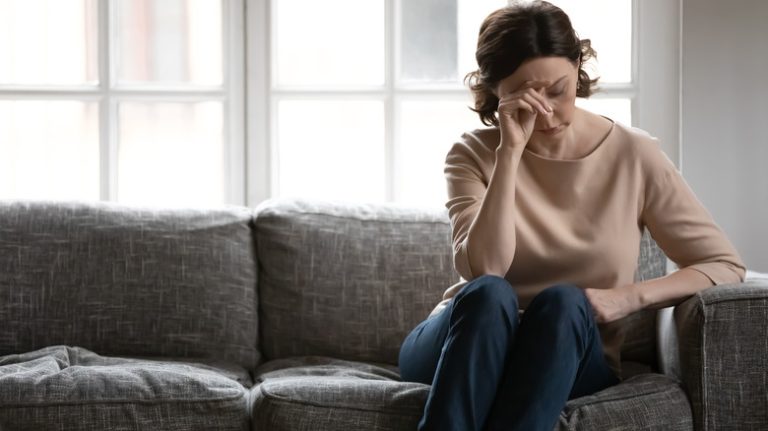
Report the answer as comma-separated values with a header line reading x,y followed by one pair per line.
x,y
614,303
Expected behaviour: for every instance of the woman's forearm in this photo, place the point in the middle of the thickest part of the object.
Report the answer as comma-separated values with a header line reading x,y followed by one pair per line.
x,y
491,237
670,289
618,302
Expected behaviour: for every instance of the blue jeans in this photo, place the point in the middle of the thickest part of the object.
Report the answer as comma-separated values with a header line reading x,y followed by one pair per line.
x,y
490,370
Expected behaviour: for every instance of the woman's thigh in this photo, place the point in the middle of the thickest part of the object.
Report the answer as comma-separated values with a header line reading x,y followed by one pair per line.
x,y
576,328
421,348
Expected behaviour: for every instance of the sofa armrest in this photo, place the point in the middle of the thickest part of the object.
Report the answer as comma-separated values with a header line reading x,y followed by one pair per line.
x,y
722,338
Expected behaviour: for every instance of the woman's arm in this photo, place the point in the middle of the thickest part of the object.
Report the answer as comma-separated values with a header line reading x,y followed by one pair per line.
x,y
491,241
483,219
686,232
671,289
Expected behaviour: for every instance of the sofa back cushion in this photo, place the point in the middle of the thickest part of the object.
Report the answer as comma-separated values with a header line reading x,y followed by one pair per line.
x,y
351,280
347,280
640,327
122,280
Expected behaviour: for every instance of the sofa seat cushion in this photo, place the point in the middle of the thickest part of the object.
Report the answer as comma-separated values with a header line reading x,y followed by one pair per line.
x,y
70,388
313,392
648,401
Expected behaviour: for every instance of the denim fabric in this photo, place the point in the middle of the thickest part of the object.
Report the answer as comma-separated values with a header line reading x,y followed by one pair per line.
x,y
490,370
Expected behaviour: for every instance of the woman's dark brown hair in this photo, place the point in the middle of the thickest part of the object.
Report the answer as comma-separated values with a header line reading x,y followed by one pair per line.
x,y
519,32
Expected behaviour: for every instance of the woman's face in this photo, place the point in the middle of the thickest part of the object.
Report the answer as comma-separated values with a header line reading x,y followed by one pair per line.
x,y
555,78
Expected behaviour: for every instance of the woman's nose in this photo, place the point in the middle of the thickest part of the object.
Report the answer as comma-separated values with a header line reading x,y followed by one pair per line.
x,y
546,121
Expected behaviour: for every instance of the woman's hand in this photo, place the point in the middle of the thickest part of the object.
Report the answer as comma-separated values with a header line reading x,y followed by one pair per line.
x,y
614,303
517,114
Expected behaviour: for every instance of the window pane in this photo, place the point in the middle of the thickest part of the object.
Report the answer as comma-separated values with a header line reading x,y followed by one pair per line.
x,y
48,42
439,38
331,149
329,43
428,43
169,42
608,24
619,110
428,129
171,153
471,15
49,150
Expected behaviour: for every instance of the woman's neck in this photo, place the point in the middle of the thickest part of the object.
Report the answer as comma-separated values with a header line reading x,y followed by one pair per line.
x,y
586,131
566,145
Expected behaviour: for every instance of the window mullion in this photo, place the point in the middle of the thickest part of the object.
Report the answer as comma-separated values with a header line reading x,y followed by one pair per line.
x,y
258,170
107,150
234,109
390,123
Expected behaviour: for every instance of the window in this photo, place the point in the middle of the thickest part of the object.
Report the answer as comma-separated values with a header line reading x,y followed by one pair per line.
x,y
371,117
612,40
128,100
144,101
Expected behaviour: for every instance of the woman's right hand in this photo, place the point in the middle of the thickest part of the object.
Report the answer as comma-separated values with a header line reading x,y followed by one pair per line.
x,y
517,115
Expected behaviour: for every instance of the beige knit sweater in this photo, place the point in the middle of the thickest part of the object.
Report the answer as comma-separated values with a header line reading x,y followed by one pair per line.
x,y
580,221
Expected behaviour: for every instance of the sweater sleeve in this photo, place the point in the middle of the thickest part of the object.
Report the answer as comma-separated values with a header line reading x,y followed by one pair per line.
x,y
681,225
466,188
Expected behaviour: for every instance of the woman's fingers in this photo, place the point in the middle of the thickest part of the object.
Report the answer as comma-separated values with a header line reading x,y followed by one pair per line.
x,y
511,106
542,106
532,97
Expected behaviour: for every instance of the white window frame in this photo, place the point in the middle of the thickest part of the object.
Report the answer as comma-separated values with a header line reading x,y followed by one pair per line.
x,y
107,97
653,90
658,58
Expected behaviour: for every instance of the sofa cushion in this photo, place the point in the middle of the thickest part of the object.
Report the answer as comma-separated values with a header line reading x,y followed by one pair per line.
x,y
309,393
128,280
640,327
347,280
314,393
70,388
642,402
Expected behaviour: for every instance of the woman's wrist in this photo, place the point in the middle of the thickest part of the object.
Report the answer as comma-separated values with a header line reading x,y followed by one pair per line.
x,y
509,151
635,297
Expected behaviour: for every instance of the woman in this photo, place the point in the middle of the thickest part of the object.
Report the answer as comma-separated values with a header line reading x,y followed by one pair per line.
x,y
547,210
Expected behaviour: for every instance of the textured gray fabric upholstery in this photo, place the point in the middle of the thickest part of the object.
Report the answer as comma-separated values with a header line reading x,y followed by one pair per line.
x,y
123,280
66,388
347,281
170,298
640,342
320,393
312,393
723,350
643,402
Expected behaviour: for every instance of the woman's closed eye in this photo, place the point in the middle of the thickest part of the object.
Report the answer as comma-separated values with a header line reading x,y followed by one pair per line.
x,y
557,92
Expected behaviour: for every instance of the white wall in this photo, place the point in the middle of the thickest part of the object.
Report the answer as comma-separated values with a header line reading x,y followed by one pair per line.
x,y
725,117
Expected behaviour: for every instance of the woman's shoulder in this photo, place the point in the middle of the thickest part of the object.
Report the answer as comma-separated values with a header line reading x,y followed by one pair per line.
x,y
643,147
635,134
473,151
478,144
487,137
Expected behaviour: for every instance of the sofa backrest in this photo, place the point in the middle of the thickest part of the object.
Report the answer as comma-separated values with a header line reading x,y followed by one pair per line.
x,y
126,280
351,280
346,280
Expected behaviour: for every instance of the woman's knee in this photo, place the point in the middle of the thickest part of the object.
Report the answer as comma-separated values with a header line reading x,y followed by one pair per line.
x,y
487,292
561,300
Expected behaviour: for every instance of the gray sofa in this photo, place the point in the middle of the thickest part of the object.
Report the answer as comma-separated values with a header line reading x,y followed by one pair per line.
x,y
289,316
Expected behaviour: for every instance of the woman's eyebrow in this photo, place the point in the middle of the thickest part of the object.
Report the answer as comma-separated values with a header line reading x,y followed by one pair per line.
x,y
558,81
532,83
